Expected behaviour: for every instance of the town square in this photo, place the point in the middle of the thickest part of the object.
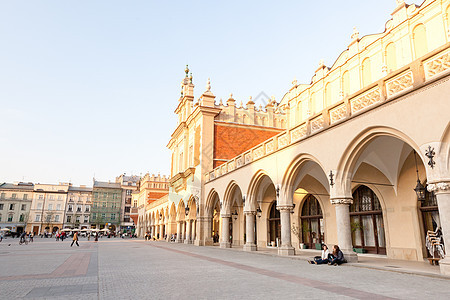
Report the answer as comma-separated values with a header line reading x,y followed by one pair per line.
x,y
202,151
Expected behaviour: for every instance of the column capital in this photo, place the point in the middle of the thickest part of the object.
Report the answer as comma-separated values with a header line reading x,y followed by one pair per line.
x,y
347,201
285,207
439,187
248,212
225,215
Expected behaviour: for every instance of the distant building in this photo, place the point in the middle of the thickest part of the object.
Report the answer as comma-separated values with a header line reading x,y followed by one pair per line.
x,y
129,184
15,203
48,208
106,205
151,189
78,208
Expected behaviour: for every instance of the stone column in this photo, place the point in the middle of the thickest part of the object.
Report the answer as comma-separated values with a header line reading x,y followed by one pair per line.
x,y
442,192
179,240
249,231
188,232
344,232
194,230
183,231
225,238
285,220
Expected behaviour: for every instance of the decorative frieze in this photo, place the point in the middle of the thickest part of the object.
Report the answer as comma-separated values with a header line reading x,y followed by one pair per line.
x,y
283,140
342,201
248,158
338,113
400,83
438,187
365,100
231,165
224,169
239,161
270,147
437,64
258,152
298,133
317,123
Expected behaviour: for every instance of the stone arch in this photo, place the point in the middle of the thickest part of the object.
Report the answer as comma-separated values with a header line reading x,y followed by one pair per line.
x,y
211,200
181,211
445,145
254,186
350,156
229,192
192,207
173,212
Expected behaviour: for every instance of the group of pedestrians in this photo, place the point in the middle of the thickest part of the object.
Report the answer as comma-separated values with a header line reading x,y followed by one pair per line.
x,y
334,258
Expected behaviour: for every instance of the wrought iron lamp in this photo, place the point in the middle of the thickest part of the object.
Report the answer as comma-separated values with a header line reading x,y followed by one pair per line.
x,y
258,212
419,189
186,210
235,215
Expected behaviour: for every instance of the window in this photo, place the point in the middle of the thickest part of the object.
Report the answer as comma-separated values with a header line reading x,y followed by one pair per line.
x,y
58,206
25,196
3,196
11,206
135,203
0,217
104,204
311,221
52,197
127,209
69,219
113,216
87,208
60,197
94,216
49,218
77,219
129,192
70,207
115,196
113,205
86,219
79,208
37,218
126,219
39,205
10,217
14,196
57,218
50,206
420,40
1,206
21,218
41,197
24,207
391,58
103,216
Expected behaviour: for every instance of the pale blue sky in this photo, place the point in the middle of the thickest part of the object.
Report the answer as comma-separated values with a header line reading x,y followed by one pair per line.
x,y
89,87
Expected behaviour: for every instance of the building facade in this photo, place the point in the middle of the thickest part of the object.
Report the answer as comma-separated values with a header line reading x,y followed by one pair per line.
x,y
346,160
48,208
78,207
106,205
129,184
15,204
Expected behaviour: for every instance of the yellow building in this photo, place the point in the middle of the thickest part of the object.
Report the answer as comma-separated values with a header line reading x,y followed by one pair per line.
x,y
347,157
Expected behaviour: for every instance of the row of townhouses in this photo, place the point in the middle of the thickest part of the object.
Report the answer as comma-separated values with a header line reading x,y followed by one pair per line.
x,y
48,208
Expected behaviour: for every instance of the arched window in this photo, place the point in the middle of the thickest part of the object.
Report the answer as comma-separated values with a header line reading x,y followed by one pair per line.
x,y
420,40
366,72
274,224
345,83
391,58
366,219
312,222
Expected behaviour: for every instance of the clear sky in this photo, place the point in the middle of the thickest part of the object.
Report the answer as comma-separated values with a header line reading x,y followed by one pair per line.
x,y
88,88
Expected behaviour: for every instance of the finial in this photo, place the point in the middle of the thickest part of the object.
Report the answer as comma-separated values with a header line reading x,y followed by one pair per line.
x,y
190,78
294,82
321,63
208,85
242,104
231,95
355,34
186,70
399,2
220,101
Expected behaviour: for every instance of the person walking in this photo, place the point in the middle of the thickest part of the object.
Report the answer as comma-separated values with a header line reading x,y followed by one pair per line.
x,y
75,239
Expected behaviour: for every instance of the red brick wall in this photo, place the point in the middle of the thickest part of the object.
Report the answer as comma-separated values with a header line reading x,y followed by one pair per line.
x,y
230,140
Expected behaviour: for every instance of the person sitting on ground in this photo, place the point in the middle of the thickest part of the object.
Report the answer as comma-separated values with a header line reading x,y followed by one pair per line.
x,y
323,259
337,257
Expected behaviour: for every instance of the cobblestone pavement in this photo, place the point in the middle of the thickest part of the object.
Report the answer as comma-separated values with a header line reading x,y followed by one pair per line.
x,y
126,269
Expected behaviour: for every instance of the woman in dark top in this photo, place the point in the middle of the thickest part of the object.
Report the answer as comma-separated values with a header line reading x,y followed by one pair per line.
x,y
338,256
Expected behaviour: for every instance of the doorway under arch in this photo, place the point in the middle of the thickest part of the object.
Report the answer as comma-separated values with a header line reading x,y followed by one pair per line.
x,y
311,220
274,225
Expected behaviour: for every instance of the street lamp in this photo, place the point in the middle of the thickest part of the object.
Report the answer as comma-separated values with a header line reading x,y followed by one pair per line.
x,y
419,189
258,212
186,210
235,215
